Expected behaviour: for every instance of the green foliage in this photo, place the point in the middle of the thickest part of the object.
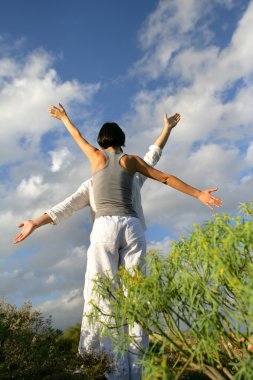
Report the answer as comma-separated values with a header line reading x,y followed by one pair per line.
x,y
69,340
31,349
196,304
26,343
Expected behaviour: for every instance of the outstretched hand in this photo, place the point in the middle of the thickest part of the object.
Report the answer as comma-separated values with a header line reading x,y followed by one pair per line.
x,y
208,199
57,112
28,227
171,121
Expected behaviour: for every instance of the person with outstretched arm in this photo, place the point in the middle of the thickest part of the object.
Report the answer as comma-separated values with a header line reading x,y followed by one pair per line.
x,y
84,197
117,237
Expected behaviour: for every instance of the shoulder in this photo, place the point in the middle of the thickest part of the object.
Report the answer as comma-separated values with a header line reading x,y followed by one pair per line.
x,y
99,154
100,160
86,185
130,157
130,162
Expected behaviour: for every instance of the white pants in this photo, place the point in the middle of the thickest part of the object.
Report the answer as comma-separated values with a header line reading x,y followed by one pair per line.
x,y
115,241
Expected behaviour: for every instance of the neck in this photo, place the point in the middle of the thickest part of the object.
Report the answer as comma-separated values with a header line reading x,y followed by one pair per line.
x,y
114,148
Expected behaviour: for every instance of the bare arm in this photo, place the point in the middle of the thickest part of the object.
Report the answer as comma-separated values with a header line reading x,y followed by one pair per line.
x,y
169,124
135,163
59,113
30,225
155,150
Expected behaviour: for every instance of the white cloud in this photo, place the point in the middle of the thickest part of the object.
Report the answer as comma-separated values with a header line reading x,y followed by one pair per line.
x,y
51,279
28,276
8,67
241,46
249,154
247,179
73,262
162,34
25,96
162,247
213,93
172,27
60,158
34,183
212,162
31,187
66,310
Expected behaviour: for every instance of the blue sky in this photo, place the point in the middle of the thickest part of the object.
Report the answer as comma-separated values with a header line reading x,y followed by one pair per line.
x,y
127,61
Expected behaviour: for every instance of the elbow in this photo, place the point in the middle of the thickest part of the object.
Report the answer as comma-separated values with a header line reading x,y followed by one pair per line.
x,y
167,180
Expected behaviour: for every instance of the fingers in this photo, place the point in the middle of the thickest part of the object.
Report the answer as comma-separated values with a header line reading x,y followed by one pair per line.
x,y
175,119
216,201
210,200
51,110
211,190
213,199
209,206
171,121
23,234
54,111
176,116
21,225
18,238
57,112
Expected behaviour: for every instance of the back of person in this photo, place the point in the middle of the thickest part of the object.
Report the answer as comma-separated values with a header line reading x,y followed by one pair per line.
x,y
112,186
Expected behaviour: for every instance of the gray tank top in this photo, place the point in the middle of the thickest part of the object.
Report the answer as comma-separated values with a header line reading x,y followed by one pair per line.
x,y
112,187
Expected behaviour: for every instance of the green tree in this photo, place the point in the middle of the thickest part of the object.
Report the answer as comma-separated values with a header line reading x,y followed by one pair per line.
x,y
71,337
196,303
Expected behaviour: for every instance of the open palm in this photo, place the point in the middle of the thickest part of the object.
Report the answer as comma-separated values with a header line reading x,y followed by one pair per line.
x,y
28,227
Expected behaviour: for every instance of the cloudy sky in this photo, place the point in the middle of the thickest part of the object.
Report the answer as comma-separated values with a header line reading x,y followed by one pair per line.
x,y
126,61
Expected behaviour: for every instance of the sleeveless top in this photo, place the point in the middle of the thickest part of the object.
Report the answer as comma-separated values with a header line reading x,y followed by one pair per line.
x,y
112,187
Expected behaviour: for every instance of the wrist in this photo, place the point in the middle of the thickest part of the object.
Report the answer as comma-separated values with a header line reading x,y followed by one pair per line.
x,y
197,193
35,224
65,118
168,127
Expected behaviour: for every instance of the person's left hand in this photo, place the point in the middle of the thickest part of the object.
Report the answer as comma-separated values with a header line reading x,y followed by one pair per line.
x,y
209,199
57,112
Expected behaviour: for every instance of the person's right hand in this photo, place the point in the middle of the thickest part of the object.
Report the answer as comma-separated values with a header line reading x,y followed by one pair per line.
x,y
28,227
171,121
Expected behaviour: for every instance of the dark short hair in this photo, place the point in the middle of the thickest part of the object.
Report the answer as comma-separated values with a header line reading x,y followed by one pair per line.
x,y
110,134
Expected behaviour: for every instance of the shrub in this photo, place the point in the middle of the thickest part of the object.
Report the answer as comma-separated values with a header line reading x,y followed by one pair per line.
x,y
27,343
30,349
196,303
